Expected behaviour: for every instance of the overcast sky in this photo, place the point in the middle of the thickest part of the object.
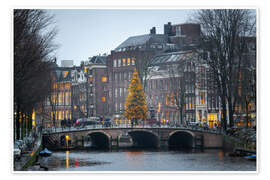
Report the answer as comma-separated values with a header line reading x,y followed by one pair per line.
x,y
84,33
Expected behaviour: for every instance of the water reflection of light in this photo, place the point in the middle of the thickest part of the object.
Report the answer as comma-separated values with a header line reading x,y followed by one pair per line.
x,y
67,159
76,162
32,153
220,155
135,158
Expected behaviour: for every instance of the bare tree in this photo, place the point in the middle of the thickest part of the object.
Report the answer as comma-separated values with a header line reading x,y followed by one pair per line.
x,y
142,65
177,88
33,48
222,32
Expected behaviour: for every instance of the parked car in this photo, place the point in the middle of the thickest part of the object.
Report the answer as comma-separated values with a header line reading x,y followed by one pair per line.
x,y
17,151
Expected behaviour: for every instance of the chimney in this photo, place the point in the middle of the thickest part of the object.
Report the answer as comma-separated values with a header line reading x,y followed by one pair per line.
x,y
168,29
153,30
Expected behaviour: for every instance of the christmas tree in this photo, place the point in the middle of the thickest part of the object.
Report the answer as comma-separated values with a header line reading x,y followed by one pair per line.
x,y
135,107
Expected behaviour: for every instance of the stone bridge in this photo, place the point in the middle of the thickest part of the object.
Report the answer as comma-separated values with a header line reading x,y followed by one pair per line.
x,y
110,138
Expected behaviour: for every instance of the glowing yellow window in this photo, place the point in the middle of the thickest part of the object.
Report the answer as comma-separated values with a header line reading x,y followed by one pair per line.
x,y
167,99
103,99
85,69
67,86
61,86
172,99
167,116
124,61
104,79
128,61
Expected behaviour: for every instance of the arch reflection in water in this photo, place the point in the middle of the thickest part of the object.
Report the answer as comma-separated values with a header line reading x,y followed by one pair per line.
x,y
144,139
181,140
98,140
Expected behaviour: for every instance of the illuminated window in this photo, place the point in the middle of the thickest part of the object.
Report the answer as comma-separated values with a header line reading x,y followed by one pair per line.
x,y
103,99
104,79
172,99
133,61
67,86
82,107
55,85
67,116
90,79
202,98
167,116
167,100
61,86
67,98
128,61
85,69
124,61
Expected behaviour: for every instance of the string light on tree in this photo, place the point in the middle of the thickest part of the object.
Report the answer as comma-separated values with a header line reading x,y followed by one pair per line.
x,y
135,107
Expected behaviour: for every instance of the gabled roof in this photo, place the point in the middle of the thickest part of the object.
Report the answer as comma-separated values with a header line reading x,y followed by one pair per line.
x,y
98,60
170,57
134,41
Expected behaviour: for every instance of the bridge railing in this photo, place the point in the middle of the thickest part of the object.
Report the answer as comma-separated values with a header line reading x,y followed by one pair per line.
x,y
98,127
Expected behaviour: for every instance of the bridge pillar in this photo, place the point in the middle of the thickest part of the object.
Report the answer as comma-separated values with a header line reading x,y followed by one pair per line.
x,y
114,143
163,143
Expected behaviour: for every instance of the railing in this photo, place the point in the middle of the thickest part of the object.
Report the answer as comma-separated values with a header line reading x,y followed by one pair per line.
x,y
128,126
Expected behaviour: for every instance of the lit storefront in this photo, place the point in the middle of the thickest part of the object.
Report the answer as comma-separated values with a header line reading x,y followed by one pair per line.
x,y
212,120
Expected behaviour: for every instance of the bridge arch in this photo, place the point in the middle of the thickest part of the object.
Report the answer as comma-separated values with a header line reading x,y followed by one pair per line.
x,y
181,139
142,138
99,139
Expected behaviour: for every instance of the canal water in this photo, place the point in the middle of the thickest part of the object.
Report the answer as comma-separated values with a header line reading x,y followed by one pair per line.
x,y
145,160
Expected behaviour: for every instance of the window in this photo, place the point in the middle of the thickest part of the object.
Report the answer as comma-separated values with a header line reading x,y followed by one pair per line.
x,y
67,99
67,85
115,63
115,76
120,106
115,92
90,79
104,79
133,61
124,91
128,61
67,115
172,99
202,98
103,99
167,100
116,107
120,92
119,62
124,61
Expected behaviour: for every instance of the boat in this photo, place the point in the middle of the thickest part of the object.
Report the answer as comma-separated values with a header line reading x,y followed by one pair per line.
x,y
251,157
45,152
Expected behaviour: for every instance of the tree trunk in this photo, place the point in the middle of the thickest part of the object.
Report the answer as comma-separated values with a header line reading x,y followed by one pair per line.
x,y
224,114
231,121
247,120
18,121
